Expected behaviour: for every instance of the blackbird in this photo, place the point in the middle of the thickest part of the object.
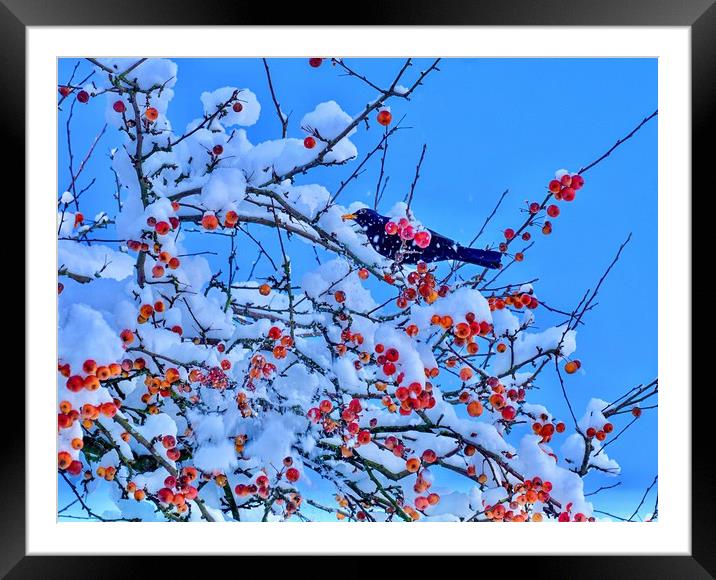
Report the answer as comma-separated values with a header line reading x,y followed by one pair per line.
x,y
440,248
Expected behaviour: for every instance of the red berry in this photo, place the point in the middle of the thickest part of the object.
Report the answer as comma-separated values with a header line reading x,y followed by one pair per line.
x,y
577,181
384,118
534,207
509,233
555,186
552,211
217,150
292,474
315,62
509,413
83,96
238,107
309,142
119,106
64,91
568,194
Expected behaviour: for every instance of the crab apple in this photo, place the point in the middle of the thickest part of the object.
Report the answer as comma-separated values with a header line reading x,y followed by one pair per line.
x,y
274,333
75,467
292,475
177,329
412,464
497,401
636,412
63,460
231,218
64,91
103,373
568,194
309,142
209,221
509,233
462,330
552,211
264,289
315,62
340,296
421,503
91,383
391,228
89,366
608,428
217,150
429,456
364,437
165,495
422,239
577,182
108,409
392,354
601,435
152,114
547,228
237,107
384,118
169,441
591,432
560,427
174,454
466,373
519,257
158,271
83,96
572,367
509,413
75,383
119,106
63,421
407,233
555,186
474,408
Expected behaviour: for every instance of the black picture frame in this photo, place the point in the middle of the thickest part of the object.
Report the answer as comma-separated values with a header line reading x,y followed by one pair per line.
x,y
699,15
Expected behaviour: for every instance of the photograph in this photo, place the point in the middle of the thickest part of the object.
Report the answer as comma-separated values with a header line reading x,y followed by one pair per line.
x,y
328,289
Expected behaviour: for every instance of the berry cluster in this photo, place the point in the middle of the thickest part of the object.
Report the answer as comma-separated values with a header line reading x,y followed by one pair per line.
x,y
407,231
421,284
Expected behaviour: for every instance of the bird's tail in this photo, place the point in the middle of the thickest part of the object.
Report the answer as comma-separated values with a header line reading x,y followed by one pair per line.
x,y
485,258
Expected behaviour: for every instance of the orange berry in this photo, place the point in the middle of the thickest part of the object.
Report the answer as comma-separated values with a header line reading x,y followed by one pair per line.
x,y
412,464
474,408
63,460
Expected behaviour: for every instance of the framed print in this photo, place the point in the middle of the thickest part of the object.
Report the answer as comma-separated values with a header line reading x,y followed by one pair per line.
x,y
356,290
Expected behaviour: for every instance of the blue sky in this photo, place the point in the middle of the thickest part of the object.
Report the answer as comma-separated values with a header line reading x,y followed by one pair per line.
x,y
490,125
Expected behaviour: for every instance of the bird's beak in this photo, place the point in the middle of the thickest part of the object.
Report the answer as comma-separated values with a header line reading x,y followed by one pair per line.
x,y
348,216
